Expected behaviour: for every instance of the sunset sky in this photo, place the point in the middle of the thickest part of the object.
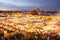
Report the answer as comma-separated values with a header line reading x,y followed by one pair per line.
x,y
17,5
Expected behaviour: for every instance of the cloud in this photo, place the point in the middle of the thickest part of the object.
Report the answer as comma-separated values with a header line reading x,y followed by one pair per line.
x,y
20,2
8,7
29,4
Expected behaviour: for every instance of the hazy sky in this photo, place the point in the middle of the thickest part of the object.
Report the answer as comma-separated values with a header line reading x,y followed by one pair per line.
x,y
45,5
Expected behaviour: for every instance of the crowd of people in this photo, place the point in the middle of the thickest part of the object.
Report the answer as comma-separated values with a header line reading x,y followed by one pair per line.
x,y
30,28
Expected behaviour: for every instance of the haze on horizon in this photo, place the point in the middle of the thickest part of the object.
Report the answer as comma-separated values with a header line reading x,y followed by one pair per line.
x,y
18,5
